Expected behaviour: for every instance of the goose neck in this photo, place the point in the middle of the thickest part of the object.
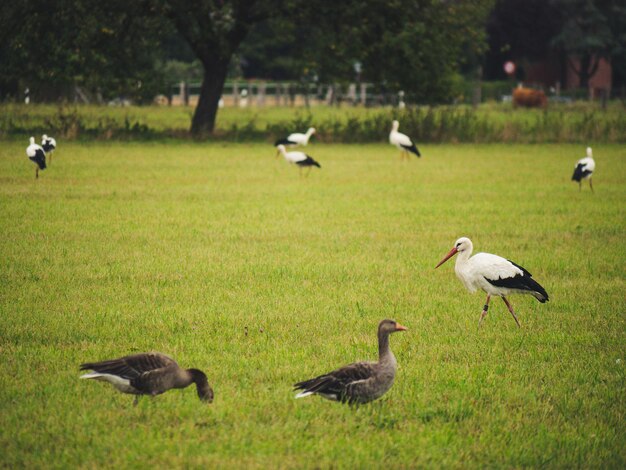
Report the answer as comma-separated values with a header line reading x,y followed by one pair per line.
x,y
384,351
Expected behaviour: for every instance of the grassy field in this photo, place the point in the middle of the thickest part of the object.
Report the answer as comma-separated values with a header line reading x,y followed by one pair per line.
x,y
223,257
579,122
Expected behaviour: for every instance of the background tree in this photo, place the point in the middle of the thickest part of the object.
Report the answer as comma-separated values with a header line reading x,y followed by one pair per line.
x,y
590,30
53,47
214,30
416,45
587,30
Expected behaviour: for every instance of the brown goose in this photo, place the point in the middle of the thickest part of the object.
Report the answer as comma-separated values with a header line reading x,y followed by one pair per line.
x,y
360,382
148,374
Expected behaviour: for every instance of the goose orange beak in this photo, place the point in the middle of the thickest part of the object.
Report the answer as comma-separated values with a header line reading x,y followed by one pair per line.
x,y
399,327
450,254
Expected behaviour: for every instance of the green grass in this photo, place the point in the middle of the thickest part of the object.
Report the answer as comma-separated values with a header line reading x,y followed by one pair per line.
x,y
185,247
490,123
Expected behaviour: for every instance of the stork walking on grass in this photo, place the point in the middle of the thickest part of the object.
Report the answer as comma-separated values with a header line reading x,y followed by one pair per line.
x,y
49,145
493,274
36,155
584,169
299,158
402,141
295,139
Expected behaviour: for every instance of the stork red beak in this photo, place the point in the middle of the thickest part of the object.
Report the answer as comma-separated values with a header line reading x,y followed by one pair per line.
x,y
399,327
450,254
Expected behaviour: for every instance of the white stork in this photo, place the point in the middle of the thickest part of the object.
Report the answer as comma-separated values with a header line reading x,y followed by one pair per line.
x,y
295,139
584,170
493,274
49,145
299,158
36,155
402,141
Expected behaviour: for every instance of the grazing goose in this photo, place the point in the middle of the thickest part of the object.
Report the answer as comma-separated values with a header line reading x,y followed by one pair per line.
x,y
36,155
299,158
148,374
49,145
402,141
295,139
584,170
493,274
360,382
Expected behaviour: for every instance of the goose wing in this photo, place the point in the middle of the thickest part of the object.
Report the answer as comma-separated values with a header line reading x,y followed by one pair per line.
x,y
131,367
337,385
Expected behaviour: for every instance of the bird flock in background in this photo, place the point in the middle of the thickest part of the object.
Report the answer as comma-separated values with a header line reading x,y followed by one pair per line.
x,y
357,383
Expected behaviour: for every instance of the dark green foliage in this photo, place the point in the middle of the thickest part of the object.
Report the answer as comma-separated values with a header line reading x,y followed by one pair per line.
x,y
106,48
557,30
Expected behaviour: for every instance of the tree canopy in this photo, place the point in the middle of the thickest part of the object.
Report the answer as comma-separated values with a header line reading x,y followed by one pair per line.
x,y
587,30
106,47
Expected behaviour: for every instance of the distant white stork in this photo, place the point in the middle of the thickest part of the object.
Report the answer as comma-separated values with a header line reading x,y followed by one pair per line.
x,y
584,170
299,158
295,139
493,274
402,141
49,145
36,155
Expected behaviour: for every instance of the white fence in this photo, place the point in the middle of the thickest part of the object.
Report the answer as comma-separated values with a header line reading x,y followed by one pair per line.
x,y
260,93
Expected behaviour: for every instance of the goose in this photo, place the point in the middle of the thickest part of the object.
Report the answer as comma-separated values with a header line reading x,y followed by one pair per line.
x,y
299,158
36,155
295,139
360,382
402,141
147,374
493,274
584,169
49,145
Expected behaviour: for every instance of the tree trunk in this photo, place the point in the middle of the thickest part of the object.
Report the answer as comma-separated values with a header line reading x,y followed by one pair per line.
x,y
583,73
203,121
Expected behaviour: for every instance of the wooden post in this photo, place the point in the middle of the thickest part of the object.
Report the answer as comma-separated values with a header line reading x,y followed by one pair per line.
x,y
235,94
363,94
352,93
261,90
306,95
181,92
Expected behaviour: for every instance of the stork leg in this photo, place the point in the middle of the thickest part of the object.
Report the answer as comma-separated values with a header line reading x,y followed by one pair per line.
x,y
485,309
512,312
50,159
308,172
580,185
590,185
36,172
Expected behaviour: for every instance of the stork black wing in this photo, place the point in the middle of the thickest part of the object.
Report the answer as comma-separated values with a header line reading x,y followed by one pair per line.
x,y
580,172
